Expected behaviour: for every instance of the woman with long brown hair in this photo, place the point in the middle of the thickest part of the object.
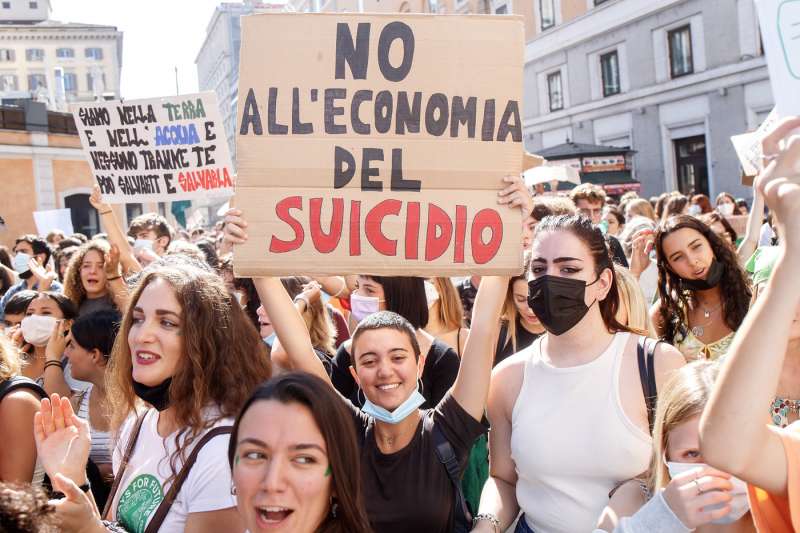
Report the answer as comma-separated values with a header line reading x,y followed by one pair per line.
x,y
703,291
187,353
300,471
568,414
93,280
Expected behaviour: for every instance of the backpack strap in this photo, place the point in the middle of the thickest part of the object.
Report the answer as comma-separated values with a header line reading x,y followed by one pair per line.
x,y
166,504
645,353
447,456
137,426
21,382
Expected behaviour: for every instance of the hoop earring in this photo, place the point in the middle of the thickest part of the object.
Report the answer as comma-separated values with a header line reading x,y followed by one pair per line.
x,y
234,492
420,386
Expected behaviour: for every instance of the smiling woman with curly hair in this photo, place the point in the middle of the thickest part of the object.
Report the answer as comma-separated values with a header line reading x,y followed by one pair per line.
x,y
703,291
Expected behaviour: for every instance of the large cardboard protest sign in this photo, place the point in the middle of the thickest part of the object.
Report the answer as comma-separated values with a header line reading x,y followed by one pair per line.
x,y
377,144
162,149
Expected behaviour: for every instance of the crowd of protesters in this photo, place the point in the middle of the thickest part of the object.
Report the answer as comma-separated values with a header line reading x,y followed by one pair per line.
x,y
642,374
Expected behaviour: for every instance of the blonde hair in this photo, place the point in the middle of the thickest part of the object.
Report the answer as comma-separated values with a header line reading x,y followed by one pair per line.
x,y
450,311
641,207
10,359
320,326
683,397
73,286
632,300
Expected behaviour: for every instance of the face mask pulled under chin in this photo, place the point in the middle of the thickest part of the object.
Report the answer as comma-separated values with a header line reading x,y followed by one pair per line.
x,y
157,396
713,277
739,503
363,306
410,405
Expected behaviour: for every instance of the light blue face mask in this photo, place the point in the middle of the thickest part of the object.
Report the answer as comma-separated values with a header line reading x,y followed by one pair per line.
x,y
394,417
270,339
20,262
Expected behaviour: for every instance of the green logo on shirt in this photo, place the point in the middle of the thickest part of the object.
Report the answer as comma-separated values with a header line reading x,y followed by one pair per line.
x,y
140,498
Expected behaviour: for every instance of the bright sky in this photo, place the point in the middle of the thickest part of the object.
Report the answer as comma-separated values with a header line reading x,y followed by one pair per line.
x,y
158,35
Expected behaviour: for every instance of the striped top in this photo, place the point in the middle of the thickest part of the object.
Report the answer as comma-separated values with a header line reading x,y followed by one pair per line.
x,y
101,440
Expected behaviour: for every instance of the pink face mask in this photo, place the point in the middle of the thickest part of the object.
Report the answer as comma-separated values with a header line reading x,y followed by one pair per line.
x,y
363,306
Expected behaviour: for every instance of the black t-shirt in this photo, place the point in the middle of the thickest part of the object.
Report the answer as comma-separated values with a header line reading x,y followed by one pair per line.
x,y
409,490
438,375
524,339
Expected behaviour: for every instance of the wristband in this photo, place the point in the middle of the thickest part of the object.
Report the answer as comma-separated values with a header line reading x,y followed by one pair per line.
x,y
104,212
85,488
114,278
489,517
302,298
59,364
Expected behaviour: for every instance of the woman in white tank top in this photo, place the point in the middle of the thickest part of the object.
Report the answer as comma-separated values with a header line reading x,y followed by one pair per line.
x,y
568,416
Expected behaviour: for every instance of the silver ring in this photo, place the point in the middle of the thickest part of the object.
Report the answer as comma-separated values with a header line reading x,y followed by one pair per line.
x,y
697,484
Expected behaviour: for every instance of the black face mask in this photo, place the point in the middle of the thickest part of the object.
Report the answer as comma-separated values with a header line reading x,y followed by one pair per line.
x,y
713,278
157,396
558,302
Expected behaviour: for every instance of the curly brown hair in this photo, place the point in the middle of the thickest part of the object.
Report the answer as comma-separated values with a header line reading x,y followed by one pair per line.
x,y
73,286
25,508
674,300
223,358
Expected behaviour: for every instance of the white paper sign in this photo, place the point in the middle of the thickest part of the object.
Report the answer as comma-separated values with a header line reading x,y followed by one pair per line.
x,y
748,145
780,32
162,149
47,221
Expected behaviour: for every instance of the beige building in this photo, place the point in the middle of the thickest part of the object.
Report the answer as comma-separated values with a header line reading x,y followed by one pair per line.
x,y
539,15
43,167
54,62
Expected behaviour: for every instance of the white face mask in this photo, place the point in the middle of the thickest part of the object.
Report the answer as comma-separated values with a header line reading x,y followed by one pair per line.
x,y
363,306
20,262
36,329
694,210
739,503
725,210
431,294
143,244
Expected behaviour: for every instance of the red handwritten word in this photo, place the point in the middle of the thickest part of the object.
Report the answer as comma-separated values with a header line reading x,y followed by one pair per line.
x,y
208,179
441,231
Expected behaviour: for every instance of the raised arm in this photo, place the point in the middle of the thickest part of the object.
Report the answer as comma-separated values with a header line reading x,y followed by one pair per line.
x,y
289,325
114,232
54,382
734,433
754,222
116,283
471,387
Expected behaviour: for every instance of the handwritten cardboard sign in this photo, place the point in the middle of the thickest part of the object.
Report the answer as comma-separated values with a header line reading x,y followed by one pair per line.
x,y
162,149
780,32
377,144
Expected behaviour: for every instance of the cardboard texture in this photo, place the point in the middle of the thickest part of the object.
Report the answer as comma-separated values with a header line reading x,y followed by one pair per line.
x,y
156,150
431,104
779,21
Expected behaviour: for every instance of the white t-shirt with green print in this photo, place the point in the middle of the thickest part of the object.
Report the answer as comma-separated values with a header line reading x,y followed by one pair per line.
x,y
207,487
